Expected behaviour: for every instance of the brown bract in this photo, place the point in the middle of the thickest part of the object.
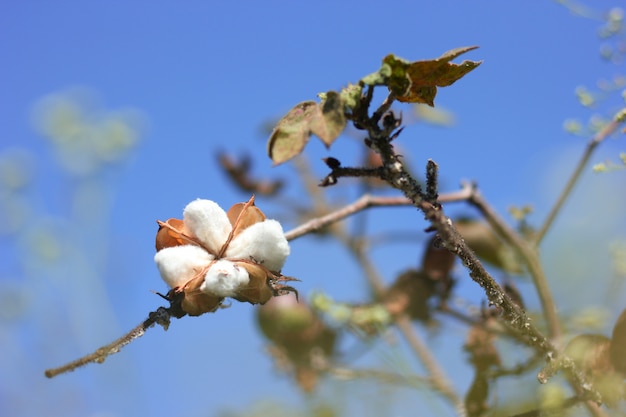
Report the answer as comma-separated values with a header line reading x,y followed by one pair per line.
x,y
263,283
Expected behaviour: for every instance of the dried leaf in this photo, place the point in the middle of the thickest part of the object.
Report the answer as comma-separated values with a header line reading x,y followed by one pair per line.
x,y
239,173
481,347
417,82
326,120
330,120
437,262
292,132
409,294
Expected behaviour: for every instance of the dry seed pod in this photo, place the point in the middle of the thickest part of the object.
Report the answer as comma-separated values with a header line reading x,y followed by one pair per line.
x,y
211,254
298,336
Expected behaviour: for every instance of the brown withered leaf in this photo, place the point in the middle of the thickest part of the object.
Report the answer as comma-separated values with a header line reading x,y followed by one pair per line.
x,y
437,262
239,173
417,82
292,132
480,344
410,294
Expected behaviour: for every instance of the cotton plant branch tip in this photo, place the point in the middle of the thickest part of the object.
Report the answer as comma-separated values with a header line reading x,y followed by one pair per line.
x,y
432,174
160,317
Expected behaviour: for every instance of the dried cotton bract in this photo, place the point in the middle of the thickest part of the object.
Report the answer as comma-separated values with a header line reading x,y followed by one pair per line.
x,y
212,254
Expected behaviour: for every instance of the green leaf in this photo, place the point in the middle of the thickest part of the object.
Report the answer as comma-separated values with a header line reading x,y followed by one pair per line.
x,y
292,132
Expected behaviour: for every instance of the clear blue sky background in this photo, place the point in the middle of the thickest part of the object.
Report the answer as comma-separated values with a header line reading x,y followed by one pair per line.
x,y
205,76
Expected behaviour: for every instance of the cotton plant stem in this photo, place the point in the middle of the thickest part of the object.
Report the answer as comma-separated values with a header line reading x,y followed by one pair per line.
x,y
161,317
438,379
364,202
529,255
599,137
395,174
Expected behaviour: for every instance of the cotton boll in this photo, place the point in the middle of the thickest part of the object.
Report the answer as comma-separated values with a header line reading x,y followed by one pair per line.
x,y
208,222
224,279
179,264
263,242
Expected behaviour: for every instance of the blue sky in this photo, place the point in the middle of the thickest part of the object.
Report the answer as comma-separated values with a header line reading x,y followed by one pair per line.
x,y
196,77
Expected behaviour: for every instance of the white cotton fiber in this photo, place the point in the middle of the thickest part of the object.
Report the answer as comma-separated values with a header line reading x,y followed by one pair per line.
x,y
224,279
208,222
179,264
263,242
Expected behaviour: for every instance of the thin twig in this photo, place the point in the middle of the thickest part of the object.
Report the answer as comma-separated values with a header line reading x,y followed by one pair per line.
x,y
529,256
439,380
161,317
364,202
396,175
388,377
599,137
386,105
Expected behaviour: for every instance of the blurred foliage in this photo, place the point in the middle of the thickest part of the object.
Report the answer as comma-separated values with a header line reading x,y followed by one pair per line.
x,y
608,95
54,233
85,138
